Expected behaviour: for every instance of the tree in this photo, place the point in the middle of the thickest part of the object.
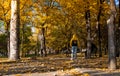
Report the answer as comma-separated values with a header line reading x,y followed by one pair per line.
x,y
111,37
42,41
14,30
87,16
118,31
42,20
98,25
5,16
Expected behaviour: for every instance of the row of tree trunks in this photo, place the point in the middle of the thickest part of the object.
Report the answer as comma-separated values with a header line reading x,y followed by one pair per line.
x,y
15,33
15,26
111,35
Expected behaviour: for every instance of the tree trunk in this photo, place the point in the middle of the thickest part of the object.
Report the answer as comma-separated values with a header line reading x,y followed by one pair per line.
x,y
22,41
8,41
100,2
38,46
118,41
42,42
7,35
14,30
99,41
118,34
111,37
87,15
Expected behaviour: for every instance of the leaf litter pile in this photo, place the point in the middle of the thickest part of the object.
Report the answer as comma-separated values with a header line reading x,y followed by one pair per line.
x,y
60,63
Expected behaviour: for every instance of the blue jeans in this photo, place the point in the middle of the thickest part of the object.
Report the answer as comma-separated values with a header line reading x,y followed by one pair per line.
x,y
74,52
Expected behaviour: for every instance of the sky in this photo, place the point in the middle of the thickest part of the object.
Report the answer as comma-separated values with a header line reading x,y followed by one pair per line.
x,y
117,2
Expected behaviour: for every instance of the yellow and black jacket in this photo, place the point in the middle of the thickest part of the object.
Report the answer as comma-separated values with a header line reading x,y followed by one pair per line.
x,y
74,41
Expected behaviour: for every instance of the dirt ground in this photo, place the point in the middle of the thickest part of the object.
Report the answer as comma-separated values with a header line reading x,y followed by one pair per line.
x,y
59,64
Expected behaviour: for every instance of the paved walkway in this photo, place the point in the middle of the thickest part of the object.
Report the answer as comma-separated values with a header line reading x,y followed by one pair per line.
x,y
91,72
34,74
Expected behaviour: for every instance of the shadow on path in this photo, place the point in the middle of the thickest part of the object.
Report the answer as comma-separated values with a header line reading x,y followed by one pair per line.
x,y
82,71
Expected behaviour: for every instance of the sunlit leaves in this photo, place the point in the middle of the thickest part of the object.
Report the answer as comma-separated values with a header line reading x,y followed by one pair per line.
x,y
6,4
5,10
58,17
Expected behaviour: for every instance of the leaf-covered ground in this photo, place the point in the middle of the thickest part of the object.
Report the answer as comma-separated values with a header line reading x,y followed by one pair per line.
x,y
59,63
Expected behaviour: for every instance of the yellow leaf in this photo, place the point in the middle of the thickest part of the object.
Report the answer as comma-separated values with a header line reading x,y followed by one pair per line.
x,y
86,74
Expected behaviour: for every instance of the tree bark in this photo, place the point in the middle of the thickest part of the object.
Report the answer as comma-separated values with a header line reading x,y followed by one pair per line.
x,y
42,42
14,30
8,40
100,2
111,37
22,42
118,34
43,46
118,41
87,15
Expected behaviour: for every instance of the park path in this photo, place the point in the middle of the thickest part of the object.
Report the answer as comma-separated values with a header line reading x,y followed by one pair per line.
x,y
82,71
57,66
